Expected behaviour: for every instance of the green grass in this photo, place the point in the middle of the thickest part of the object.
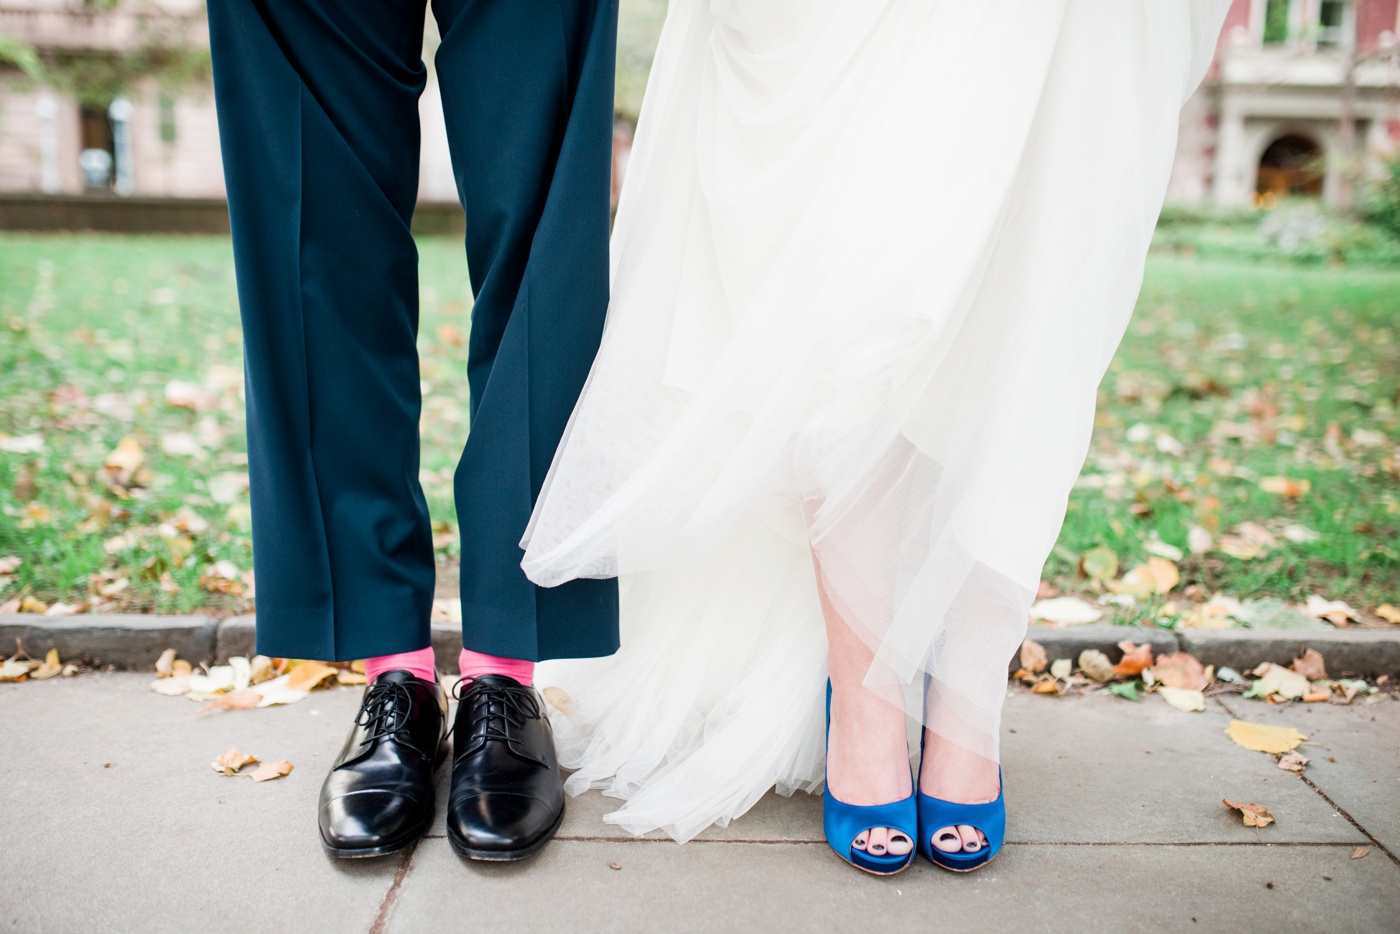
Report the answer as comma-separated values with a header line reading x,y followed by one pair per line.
x,y
94,329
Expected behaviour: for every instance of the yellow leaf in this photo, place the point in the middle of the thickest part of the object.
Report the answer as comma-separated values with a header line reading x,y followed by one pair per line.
x,y
1389,613
1261,737
165,665
270,770
350,677
1157,576
126,457
310,675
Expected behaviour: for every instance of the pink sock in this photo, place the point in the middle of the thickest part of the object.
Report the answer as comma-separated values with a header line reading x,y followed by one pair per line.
x,y
475,664
419,663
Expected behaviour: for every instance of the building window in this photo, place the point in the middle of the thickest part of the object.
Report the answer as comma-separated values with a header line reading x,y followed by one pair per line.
x,y
1332,18
95,158
1276,22
165,104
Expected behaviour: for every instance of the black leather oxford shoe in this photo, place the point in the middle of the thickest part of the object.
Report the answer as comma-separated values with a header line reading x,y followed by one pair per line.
x,y
507,795
378,797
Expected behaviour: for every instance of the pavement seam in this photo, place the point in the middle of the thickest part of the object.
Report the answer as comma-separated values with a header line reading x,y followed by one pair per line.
x,y
1333,804
1132,843
381,919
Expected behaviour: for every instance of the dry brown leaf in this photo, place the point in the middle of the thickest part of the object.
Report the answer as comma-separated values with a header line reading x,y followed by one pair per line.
x,y
1095,665
241,699
28,604
1389,612
1180,670
310,675
230,762
1255,815
1135,659
1310,665
1261,737
1049,686
1284,682
1033,656
270,770
1293,761
261,669
1157,576
1360,852
14,670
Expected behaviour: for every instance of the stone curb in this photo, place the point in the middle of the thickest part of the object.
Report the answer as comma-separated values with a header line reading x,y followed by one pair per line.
x,y
1346,652
135,641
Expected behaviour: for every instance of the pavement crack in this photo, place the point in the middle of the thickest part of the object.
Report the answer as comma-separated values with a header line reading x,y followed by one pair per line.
x,y
1332,804
382,918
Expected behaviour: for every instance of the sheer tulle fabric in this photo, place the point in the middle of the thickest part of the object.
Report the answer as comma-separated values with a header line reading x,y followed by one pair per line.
x,y
871,262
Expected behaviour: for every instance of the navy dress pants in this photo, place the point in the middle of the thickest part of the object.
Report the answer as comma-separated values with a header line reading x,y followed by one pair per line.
x,y
318,120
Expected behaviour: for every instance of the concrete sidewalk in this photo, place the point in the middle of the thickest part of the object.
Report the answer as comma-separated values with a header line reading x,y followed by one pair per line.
x,y
115,821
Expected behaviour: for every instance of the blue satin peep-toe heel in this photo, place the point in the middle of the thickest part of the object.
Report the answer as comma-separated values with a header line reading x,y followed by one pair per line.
x,y
844,822
990,818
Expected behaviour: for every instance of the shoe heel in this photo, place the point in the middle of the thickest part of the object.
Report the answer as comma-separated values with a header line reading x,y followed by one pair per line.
x,y
842,823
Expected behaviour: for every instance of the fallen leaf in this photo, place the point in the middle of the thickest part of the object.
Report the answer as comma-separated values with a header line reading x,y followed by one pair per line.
x,y
1157,576
1293,761
230,762
165,665
1310,665
310,675
218,679
240,699
350,677
14,670
124,460
1061,668
270,770
1285,486
1255,815
1033,656
1183,699
50,668
1095,665
1389,613
261,669
1099,563
1335,611
277,691
1360,852
1278,680
28,604
1180,670
1135,659
1262,737
1198,540
1049,686
560,700
1065,611
176,686
1125,689
1155,546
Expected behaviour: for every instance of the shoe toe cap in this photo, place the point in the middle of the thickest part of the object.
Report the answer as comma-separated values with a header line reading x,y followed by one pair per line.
x,y
367,819
500,821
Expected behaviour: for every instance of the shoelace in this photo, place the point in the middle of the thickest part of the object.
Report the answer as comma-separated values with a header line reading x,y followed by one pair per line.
x,y
517,703
384,711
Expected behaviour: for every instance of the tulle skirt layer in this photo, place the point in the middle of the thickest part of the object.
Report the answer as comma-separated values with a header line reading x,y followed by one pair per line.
x,y
871,262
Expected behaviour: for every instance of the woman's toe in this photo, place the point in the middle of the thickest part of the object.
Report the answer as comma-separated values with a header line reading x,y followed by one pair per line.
x,y
861,842
972,839
879,841
948,840
900,844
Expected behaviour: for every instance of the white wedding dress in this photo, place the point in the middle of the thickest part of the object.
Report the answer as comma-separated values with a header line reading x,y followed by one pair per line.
x,y
871,261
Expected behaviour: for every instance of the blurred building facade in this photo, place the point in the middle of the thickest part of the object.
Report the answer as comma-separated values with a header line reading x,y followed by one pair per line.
x,y
1303,97
1299,90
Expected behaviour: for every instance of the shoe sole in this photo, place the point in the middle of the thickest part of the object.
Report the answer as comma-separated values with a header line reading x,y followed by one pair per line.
x,y
369,852
972,869
504,856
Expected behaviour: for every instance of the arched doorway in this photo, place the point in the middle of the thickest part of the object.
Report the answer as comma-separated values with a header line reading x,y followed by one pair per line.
x,y
1290,165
